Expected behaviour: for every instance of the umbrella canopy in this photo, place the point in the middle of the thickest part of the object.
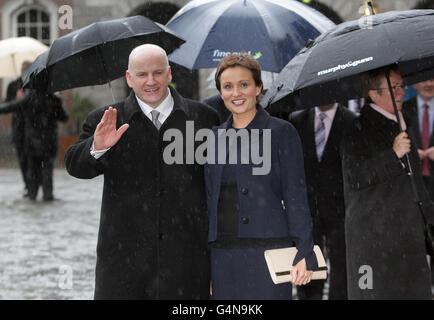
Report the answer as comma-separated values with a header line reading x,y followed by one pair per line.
x,y
95,54
271,30
14,51
328,69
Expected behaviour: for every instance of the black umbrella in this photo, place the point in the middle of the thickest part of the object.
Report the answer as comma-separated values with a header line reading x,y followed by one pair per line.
x,y
95,54
327,70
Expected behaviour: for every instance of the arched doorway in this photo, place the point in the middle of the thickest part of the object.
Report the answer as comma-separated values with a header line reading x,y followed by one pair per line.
x,y
425,4
185,80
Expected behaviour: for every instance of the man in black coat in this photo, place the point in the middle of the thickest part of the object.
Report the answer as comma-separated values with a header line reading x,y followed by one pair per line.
x,y
18,126
419,114
41,113
385,238
152,241
325,191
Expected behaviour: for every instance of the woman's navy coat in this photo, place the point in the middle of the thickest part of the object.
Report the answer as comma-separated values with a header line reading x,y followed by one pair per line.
x,y
262,214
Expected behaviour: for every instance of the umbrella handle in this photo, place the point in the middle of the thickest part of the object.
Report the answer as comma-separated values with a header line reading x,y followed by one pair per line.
x,y
105,70
410,169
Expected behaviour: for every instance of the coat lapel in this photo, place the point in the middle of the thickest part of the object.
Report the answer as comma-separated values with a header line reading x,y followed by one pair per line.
x,y
334,134
310,134
259,122
414,122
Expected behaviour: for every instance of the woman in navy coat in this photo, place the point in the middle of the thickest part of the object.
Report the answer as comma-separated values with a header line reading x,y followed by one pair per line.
x,y
254,205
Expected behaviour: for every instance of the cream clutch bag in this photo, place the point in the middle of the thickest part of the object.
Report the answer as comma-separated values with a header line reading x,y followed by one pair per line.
x,y
279,262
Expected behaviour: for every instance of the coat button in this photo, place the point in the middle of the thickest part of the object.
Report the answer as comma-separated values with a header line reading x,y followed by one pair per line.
x,y
244,190
245,220
161,236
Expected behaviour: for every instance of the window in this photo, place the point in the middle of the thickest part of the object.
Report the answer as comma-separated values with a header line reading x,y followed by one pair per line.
x,y
34,23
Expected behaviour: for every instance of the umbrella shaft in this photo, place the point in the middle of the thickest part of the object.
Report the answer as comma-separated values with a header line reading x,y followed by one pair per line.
x,y
111,90
407,158
98,49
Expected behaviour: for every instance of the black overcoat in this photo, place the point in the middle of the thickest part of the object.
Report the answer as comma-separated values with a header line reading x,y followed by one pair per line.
x,y
324,178
17,115
152,241
326,195
41,111
386,256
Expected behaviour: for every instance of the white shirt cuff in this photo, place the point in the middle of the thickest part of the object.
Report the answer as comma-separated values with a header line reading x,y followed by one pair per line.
x,y
97,154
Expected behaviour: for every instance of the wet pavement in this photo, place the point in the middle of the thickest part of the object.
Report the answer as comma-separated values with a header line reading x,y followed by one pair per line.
x,y
47,250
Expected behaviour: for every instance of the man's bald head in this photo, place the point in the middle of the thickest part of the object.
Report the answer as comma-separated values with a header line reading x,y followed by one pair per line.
x,y
149,74
145,51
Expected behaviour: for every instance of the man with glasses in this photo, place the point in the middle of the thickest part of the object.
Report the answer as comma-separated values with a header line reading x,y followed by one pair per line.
x,y
385,239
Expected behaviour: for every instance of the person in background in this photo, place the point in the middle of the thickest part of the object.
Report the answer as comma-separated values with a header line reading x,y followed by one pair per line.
x,y
419,114
321,130
41,113
385,232
18,127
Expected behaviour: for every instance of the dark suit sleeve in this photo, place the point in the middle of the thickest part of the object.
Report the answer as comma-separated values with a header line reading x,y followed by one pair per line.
x,y
60,112
12,89
14,105
78,160
9,107
295,195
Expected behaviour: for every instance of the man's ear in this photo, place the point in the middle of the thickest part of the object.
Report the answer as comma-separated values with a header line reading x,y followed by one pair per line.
x,y
373,94
128,77
170,74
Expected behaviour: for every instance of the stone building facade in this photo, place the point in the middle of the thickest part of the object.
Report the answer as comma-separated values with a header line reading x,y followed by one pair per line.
x,y
42,19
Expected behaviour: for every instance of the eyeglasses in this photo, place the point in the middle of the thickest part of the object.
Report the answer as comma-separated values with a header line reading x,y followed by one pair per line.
x,y
394,88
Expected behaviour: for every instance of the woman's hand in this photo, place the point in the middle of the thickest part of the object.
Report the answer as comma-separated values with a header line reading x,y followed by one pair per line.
x,y
301,276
